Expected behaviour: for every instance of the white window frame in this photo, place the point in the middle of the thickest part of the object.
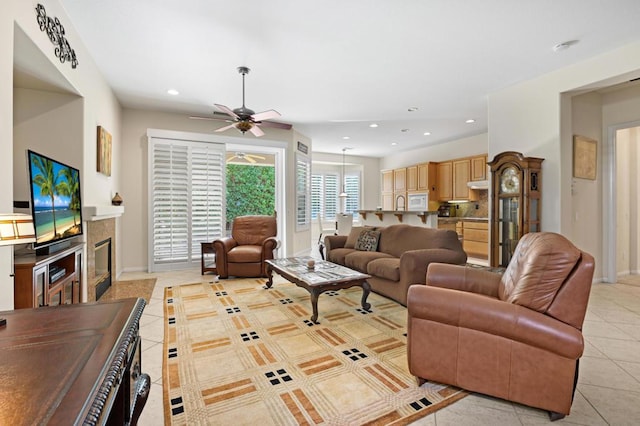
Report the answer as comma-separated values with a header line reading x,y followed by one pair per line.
x,y
191,257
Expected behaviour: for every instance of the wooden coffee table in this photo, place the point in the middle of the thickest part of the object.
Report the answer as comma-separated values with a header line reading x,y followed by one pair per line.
x,y
323,277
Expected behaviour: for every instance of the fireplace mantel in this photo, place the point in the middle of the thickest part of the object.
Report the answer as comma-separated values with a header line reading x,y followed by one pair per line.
x,y
92,213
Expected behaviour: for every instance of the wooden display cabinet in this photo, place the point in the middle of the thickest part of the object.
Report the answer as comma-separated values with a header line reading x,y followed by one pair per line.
x,y
48,280
516,202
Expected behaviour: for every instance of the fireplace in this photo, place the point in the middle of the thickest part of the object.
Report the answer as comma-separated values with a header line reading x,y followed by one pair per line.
x,y
102,252
101,257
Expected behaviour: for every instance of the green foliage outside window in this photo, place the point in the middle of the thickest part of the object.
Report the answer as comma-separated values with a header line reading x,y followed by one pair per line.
x,y
250,190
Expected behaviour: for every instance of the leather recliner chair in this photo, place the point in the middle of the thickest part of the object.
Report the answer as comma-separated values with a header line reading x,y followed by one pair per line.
x,y
252,241
515,336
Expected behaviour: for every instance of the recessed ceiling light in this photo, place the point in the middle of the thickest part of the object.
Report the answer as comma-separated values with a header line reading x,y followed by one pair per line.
x,y
373,125
469,121
346,137
427,133
173,92
394,143
412,109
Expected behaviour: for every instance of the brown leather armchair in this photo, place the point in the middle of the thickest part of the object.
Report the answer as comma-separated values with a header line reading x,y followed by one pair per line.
x,y
515,336
252,241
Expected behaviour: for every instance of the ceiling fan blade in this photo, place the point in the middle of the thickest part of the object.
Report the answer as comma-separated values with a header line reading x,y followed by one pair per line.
x,y
249,159
259,157
227,111
222,129
257,132
276,125
265,115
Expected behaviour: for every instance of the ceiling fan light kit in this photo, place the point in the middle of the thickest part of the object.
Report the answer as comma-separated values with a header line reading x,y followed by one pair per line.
x,y
245,119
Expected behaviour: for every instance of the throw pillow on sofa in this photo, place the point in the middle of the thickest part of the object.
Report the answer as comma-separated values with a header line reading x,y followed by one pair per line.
x,y
367,240
354,234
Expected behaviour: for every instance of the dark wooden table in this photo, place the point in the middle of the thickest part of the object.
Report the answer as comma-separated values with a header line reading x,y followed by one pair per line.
x,y
207,264
72,364
323,277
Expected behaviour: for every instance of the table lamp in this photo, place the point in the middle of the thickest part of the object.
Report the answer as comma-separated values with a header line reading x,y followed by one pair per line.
x,y
15,228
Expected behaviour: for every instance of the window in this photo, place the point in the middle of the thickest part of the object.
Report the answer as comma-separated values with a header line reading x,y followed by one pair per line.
x,y
303,190
324,196
325,190
352,188
186,200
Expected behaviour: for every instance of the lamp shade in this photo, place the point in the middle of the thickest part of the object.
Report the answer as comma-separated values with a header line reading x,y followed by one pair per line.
x,y
16,228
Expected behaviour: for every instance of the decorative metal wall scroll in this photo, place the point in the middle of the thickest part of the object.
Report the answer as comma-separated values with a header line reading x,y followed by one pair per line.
x,y
55,31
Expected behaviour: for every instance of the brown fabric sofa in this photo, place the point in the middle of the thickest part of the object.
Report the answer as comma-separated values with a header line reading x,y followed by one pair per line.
x,y
401,258
252,241
516,336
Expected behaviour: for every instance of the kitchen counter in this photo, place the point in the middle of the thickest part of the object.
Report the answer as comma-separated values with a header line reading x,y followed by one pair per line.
x,y
425,218
456,219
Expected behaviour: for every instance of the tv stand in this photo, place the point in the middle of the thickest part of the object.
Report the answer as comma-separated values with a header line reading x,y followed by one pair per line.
x,y
53,248
48,279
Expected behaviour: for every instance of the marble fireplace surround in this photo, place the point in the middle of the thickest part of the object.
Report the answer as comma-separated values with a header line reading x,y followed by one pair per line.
x,y
101,224
97,231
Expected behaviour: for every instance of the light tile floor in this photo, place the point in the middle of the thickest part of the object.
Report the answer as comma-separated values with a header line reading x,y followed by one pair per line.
x,y
608,390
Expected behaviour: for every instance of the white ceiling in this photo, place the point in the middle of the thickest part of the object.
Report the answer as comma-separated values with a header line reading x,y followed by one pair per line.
x,y
333,67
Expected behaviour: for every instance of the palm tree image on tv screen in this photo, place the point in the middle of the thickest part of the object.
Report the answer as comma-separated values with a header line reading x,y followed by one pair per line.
x,y
55,199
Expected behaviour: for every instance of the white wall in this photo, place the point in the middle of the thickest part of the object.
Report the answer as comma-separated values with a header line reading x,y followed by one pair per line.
x,y
99,107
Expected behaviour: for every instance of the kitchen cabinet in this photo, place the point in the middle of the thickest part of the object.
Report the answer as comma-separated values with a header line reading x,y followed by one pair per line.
x,y
475,238
461,175
387,200
479,168
400,180
387,181
427,179
412,178
444,178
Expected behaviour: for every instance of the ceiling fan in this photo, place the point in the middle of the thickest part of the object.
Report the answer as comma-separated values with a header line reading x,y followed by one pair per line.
x,y
251,158
244,118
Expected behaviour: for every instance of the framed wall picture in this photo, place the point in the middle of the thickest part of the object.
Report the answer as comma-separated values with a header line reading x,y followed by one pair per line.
x,y
585,157
104,151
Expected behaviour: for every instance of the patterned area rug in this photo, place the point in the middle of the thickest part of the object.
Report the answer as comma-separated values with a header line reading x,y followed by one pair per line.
x,y
237,353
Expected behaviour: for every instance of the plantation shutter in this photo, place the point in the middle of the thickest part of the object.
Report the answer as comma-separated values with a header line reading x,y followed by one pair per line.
x,y
352,188
186,182
324,196
303,191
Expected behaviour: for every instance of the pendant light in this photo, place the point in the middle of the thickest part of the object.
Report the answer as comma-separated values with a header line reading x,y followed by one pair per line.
x,y
343,194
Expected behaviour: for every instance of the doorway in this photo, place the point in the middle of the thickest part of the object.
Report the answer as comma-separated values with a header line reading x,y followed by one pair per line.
x,y
255,184
621,201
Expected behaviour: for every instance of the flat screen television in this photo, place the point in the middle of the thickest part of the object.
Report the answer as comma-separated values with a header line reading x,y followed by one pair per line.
x,y
55,202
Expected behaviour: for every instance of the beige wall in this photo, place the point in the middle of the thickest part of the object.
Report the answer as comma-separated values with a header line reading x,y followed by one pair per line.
x,y
463,147
134,174
535,118
587,194
368,166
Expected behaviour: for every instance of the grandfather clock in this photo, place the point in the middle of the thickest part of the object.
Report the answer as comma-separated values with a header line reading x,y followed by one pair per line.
x,y
515,206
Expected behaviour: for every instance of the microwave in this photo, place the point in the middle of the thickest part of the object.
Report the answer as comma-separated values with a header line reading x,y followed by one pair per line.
x,y
418,202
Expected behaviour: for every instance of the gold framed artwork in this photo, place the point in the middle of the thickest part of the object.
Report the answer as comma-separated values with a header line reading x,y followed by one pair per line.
x,y
585,157
104,151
